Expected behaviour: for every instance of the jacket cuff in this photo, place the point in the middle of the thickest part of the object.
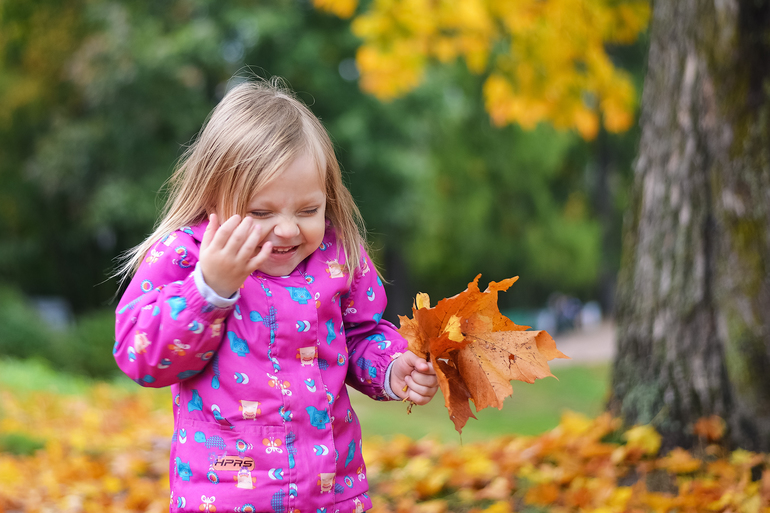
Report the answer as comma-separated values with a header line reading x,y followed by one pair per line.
x,y
208,293
386,386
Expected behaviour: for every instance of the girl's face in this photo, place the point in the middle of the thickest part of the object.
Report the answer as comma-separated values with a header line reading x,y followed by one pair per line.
x,y
291,211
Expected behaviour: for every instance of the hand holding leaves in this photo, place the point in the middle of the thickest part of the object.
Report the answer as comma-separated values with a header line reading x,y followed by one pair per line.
x,y
475,350
413,378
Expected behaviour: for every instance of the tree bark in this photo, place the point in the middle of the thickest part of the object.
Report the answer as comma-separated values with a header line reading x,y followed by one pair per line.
x,y
693,304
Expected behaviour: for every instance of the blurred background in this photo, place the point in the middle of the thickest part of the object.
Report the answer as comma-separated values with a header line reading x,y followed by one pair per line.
x,y
98,99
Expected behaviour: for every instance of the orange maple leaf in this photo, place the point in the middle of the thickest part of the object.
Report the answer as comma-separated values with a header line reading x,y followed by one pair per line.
x,y
475,350
711,428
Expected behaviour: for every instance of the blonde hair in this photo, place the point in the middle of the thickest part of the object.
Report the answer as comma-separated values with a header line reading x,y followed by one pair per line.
x,y
257,129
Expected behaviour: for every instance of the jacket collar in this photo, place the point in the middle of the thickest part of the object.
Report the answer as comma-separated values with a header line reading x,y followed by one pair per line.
x,y
196,231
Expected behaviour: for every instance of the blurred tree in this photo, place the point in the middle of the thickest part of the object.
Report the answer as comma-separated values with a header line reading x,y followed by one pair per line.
x,y
694,291
96,98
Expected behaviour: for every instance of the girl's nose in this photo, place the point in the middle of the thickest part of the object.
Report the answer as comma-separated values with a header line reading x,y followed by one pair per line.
x,y
286,228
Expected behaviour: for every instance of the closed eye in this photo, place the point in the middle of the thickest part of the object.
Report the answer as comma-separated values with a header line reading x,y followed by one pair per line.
x,y
260,214
310,211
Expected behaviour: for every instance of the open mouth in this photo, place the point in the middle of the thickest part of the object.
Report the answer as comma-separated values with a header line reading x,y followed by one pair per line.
x,y
283,251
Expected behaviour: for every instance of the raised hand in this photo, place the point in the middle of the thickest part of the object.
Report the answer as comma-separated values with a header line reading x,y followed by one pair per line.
x,y
414,374
229,253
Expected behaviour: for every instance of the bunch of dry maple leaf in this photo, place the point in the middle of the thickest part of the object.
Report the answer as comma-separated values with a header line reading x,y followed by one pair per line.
x,y
475,349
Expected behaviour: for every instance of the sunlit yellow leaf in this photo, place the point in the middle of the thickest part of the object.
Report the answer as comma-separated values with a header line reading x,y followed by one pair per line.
x,y
643,437
679,461
658,502
620,497
422,300
341,8
543,494
434,506
452,329
499,507
745,458
575,423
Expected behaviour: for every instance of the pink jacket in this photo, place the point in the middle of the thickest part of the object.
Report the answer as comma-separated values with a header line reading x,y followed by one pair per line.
x,y
262,417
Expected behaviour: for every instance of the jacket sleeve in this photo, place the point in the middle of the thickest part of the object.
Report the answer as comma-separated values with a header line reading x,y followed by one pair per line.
x,y
165,331
373,343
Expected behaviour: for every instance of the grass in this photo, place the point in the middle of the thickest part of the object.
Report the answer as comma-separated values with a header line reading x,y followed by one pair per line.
x,y
531,410
20,444
34,375
37,375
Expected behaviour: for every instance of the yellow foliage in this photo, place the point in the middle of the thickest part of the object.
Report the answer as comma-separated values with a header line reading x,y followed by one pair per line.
x,y
741,457
545,61
680,461
341,8
644,438
107,451
543,494
499,507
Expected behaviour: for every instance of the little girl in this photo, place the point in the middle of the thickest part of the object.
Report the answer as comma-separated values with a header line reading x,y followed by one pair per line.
x,y
256,301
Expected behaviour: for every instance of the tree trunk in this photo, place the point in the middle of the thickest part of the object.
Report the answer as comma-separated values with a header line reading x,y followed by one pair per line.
x,y
693,304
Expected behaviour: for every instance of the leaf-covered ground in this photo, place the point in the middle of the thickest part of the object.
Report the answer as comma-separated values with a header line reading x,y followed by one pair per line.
x,y
105,449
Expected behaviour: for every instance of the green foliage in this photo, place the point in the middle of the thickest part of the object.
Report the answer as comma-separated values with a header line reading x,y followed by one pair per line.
x,y
23,333
20,444
87,347
29,376
84,348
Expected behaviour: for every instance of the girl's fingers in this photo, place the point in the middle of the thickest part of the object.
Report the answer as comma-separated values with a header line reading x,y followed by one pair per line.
x,y
239,235
423,389
260,257
428,380
211,230
419,364
418,398
225,231
425,367
250,244
248,250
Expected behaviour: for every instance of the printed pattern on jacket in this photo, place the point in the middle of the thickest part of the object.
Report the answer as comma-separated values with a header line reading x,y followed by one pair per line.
x,y
262,417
